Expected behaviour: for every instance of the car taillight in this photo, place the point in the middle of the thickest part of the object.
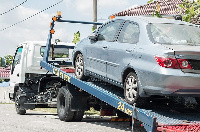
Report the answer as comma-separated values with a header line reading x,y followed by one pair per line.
x,y
173,63
184,64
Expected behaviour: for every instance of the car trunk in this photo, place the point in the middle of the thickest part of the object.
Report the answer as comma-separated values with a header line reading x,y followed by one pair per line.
x,y
190,53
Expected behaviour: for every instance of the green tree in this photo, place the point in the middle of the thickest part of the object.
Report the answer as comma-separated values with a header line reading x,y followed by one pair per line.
x,y
156,13
93,28
76,37
190,9
9,59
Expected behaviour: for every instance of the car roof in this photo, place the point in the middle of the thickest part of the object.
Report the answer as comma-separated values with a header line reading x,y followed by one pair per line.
x,y
152,20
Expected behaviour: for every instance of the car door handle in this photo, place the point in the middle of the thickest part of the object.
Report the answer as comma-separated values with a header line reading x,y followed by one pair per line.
x,y
105,47
129,50
18,74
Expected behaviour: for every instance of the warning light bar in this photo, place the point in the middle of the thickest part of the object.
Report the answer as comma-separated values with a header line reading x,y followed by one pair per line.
x,y
59,13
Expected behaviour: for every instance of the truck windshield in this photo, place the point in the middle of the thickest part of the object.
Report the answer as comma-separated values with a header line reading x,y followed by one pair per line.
x,y
17,58
58,52
175,34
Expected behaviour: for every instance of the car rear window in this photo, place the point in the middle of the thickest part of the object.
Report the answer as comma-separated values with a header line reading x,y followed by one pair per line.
x,y
175,34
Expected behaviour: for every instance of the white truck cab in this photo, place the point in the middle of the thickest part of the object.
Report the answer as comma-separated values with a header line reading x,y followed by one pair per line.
x,y
27,59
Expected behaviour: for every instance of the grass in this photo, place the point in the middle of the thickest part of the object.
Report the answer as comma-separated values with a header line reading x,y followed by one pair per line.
x,y
7,103
49,110
92,111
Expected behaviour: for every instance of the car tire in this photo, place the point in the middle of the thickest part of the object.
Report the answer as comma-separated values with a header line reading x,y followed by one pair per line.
x,y
19,109
79,67
78,116
64,104
131,88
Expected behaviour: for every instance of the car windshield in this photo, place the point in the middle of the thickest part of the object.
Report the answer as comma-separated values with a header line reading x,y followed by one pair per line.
x,y
175,34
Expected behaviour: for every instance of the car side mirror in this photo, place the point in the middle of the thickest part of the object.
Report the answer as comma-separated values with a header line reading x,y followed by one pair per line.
x,y
101,37
93,37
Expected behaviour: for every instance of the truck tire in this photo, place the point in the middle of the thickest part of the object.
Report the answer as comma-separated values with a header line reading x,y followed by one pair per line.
x,y
197,100
78,115
19,110
64,105
120,114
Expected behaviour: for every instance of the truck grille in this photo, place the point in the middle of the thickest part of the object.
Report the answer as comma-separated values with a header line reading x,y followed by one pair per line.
x,y
195,64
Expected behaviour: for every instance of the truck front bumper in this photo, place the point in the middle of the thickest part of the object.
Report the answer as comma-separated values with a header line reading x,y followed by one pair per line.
x,y
11,96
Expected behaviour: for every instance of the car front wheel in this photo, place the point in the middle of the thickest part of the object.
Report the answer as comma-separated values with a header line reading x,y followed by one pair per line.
x,y
79,67
131,88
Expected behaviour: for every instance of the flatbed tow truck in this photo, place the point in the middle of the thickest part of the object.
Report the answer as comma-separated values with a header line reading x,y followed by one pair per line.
x,y
74,94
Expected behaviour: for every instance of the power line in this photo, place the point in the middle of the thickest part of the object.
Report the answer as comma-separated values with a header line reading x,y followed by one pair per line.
x,y
13,8
32,16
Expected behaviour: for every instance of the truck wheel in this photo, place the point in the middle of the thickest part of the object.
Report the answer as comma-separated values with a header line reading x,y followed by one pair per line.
x,y
78,115
64,104
79,67
19,110
197,100
131,88
120,114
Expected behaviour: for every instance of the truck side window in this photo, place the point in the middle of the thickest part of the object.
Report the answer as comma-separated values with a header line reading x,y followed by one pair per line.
x,y
17,58
58,52
130,33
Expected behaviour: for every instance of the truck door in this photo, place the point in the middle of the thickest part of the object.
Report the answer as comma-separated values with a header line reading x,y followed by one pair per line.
x,y
16,67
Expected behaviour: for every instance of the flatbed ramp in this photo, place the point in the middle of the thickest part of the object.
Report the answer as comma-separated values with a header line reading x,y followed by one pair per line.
x,y
152,120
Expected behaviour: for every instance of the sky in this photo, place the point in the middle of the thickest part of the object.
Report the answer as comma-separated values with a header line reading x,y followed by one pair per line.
x,y
37,28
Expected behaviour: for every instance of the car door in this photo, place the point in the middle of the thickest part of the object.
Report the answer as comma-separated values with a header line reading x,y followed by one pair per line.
x,y
122,51
97,51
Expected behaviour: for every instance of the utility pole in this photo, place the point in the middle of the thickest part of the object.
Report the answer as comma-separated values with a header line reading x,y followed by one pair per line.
x,y
95,12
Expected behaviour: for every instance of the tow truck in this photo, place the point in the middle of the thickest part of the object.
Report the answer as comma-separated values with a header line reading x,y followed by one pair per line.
x,y
74,96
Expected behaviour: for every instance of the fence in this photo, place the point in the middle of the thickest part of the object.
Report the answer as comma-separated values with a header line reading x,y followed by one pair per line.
x,y
4,73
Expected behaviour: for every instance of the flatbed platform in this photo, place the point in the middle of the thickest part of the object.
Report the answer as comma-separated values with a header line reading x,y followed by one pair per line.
x,y
151,118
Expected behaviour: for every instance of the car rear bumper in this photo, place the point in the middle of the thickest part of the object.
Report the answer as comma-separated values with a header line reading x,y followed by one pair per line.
x,y
173,82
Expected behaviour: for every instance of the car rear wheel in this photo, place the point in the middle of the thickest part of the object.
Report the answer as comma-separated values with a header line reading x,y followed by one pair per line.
x,y
79,67
131,88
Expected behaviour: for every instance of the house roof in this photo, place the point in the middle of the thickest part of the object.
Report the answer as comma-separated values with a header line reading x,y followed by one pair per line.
x,y
167,7
196,20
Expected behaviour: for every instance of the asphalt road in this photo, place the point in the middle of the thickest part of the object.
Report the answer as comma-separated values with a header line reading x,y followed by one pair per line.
x,y
36,121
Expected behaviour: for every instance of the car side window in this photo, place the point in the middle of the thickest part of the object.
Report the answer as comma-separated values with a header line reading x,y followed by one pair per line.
x,y
108,31
130,33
